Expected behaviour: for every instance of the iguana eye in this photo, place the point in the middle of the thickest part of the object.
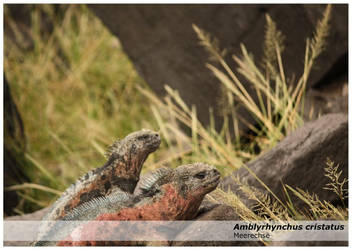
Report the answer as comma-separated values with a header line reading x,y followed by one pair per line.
x,y
200,175
142,137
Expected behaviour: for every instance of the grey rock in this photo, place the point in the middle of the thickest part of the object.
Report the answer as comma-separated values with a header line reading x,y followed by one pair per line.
x,y
327,98
299,160
309,243
313,242
218,212
37,215
161,43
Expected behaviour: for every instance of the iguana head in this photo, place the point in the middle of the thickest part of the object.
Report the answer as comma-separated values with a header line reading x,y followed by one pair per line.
x,y
143,140
179,191
128,155
196,180
192,183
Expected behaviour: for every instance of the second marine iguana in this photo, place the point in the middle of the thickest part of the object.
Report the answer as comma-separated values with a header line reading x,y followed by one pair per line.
x,y
164,195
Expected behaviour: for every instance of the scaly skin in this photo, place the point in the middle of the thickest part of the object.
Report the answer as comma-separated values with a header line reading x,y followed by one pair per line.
x,y
120,173
174,195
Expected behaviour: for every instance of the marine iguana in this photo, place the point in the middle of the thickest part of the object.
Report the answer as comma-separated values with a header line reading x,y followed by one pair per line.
x,y
120,173
164,195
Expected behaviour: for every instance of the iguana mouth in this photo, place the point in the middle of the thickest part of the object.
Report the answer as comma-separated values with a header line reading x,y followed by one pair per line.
x,y
212,182
215,180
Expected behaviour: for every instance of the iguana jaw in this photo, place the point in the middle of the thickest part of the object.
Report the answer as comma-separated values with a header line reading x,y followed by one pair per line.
x,y
210,184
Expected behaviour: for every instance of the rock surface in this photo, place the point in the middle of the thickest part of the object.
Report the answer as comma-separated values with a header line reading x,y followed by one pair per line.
x,y
217,212
299,160
161,43
309,243
37,215
326,98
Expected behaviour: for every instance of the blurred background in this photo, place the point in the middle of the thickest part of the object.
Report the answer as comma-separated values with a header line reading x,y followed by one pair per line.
x,y
73,92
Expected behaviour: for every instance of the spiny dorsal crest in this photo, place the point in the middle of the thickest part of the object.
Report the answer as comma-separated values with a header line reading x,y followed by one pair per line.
x,y
86,212
151,180
112,148
97,206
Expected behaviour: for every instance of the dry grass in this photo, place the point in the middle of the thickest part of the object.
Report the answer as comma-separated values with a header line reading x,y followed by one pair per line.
x,y
277,108
76,91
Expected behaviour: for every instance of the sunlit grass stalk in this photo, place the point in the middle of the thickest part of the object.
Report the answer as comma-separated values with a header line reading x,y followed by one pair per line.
x,y
26,186
335,184
30,199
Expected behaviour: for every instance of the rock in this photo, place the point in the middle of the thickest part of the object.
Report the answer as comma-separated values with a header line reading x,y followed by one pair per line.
x,y
327,97
37,215
218,212
309,243
299,160
161,43
22,15
312,242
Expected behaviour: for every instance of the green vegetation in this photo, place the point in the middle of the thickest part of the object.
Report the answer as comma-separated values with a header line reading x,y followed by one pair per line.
x,y
77,92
